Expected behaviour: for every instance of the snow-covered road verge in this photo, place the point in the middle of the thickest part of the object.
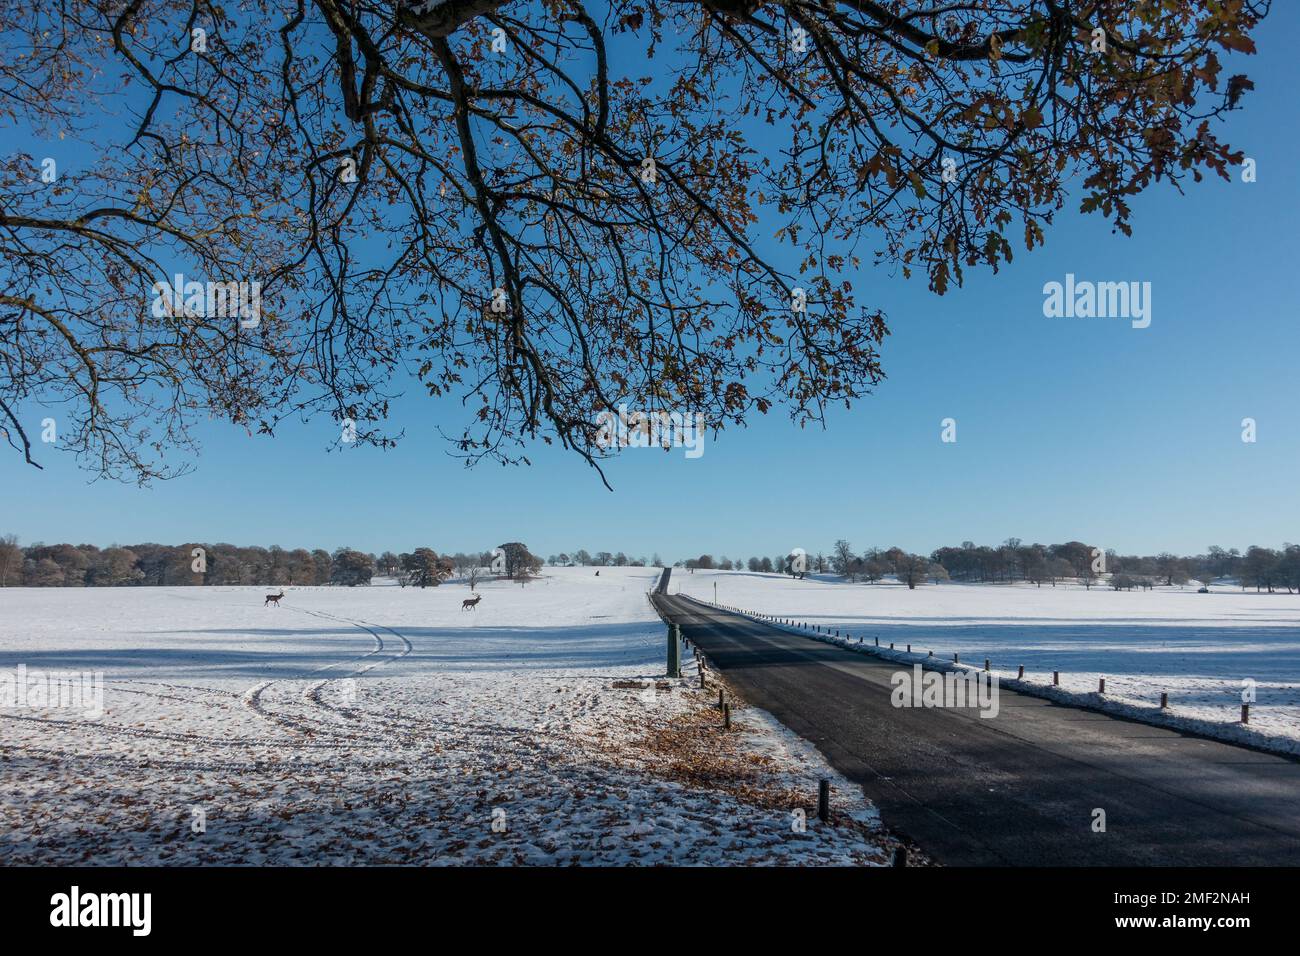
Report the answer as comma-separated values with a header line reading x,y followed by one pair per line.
x,y
384,725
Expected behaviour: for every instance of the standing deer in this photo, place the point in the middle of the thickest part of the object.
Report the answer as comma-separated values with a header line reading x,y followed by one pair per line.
x,y
470,602
274,598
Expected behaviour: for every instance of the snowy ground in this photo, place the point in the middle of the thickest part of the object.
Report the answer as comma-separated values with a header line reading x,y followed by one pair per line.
x,y
1199,648
385,725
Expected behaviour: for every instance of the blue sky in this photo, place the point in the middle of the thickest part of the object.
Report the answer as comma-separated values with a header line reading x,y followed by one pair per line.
x,y
1066,428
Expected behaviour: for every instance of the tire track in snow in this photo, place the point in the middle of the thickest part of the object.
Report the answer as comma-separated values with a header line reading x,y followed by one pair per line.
x,y
371,720
252,698
345,719
351,728
174,737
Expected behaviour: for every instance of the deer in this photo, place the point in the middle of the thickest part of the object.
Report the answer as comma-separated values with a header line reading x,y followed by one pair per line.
x,y
470,602
274,598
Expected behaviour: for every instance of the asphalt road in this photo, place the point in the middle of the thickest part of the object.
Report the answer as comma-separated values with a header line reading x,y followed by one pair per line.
x,y
1019,788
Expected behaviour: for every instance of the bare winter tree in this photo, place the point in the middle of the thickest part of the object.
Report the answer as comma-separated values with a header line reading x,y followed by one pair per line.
x,y
11,559
543,209
913,570
842,558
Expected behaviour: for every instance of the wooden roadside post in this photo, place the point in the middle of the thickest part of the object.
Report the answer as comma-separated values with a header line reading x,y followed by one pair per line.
x,y
1164,700
823,800
1245,713
1056,678
726,716
674,651
1021,675
1101,685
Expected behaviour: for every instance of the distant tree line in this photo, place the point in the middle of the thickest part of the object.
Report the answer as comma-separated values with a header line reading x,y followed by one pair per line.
x,y
601,559
1264,569
159,565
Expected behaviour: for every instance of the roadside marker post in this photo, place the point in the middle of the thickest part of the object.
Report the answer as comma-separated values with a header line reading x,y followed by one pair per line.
x,y
823,800
674,651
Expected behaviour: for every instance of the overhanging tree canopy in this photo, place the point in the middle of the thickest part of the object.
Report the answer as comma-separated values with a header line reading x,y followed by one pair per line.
x,y
546,209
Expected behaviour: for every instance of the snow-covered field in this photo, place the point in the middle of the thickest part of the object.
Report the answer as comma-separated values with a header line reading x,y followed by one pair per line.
x,y
386,725
1199,648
